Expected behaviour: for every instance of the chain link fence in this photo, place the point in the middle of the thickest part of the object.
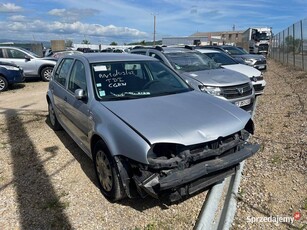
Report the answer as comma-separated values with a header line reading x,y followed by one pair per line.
x,y
290,45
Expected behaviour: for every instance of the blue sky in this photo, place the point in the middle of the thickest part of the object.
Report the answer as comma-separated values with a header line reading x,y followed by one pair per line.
x,y
104,21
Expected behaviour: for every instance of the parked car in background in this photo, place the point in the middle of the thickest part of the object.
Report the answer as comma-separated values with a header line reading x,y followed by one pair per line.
x,y
203,74
228,62
58,54
242,56
32,64
9,74
147,131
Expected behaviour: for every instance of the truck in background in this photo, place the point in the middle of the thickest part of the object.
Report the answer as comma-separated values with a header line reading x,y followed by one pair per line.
x,y
257,40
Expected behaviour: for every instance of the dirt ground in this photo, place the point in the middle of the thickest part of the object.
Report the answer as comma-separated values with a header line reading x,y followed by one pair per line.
x,y
47,182
274,181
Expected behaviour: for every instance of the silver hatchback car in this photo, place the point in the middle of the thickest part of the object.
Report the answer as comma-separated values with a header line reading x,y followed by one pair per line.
x,y
146,130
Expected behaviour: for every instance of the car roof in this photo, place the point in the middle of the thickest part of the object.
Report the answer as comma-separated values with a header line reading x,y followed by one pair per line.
x,y
109,57
208,51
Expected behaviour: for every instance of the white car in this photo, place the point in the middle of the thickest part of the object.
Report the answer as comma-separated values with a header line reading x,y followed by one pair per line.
x,y
228,62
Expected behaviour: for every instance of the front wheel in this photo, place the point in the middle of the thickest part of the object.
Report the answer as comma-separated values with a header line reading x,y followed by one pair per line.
x,y
106,172
3,84
46,73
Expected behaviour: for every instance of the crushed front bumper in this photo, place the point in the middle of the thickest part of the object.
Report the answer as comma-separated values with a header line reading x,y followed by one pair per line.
x,y
186,181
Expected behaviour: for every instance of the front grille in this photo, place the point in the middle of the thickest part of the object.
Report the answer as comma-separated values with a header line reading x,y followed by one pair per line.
x,y
260,62
237,91
258,87
263,47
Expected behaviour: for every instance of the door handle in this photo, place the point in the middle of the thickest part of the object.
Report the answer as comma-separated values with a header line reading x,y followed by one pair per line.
x,y
65,99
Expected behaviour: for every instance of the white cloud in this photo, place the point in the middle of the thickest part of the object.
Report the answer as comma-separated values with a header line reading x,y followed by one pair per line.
x,y
17,18
9,8
72,15
75,29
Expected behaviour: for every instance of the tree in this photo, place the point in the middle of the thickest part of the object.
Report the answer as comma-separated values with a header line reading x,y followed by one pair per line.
x,y
68,43
143,42
113,44
85,41
292,44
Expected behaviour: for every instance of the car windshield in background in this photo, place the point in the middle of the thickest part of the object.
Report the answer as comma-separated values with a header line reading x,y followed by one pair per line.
x,y
235,51
190,61
222,58
29,52
131,80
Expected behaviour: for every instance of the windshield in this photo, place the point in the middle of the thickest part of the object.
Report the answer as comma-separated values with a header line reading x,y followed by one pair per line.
x,y
235,51
132,80
191,61
29,52
222,58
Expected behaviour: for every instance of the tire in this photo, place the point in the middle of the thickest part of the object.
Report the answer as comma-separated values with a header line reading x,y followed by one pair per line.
x,y
46,73
107,173
3,84
55,125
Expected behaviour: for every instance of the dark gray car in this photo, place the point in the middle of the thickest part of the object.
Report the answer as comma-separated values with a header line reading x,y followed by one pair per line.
x,y
147,132
203,74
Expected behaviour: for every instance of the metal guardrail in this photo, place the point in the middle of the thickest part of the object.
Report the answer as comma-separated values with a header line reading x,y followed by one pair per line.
x,y
219,207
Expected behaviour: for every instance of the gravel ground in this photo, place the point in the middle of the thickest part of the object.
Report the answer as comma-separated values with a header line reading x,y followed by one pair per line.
x,y
274,182
46,182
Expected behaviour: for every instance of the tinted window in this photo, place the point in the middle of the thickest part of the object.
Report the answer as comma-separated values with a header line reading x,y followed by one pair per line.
x,y
77,78
130,80
11,53
61,74
221,58
155,56
1,53
190,61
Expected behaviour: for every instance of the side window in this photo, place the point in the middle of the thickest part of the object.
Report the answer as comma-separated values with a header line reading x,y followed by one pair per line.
x,y
77,79
11,53
139,52
151,54
61,74
1,53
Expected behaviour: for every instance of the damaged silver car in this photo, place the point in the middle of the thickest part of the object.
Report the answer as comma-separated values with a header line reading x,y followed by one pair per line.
x,y
146,130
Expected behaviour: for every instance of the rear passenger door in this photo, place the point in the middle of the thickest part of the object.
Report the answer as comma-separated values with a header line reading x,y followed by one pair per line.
x,y
76,110
58,87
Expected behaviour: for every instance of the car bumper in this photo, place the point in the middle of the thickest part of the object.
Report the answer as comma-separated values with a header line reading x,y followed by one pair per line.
x,y
259,86
181,182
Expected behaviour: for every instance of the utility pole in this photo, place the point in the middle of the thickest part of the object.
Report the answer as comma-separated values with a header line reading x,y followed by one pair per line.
x,y
154,33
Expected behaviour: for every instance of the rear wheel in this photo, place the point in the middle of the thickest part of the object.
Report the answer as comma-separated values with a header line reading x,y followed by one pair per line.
x,y
55,125
106,172
3,84
46,73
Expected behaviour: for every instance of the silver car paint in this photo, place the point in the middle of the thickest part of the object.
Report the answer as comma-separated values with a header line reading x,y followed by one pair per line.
x,y
126,132
218,77
30,67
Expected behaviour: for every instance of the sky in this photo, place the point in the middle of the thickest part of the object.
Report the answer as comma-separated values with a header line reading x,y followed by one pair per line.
x,y
105,21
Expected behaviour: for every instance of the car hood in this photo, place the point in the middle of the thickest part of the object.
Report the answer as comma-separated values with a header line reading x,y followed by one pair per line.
x,y
186,118
244,69
250,56
8,64
217,77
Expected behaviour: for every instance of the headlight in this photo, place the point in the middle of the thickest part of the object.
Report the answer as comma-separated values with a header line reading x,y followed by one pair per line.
x,y
216,91
249,61
9,67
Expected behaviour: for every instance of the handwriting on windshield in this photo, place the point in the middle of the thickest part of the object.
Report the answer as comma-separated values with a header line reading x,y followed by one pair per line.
x,y
116,74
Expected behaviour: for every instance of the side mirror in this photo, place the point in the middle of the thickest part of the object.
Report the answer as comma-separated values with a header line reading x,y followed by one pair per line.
x,y
80,94
28,58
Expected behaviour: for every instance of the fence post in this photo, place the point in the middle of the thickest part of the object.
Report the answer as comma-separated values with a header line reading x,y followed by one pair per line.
x,y
302,46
